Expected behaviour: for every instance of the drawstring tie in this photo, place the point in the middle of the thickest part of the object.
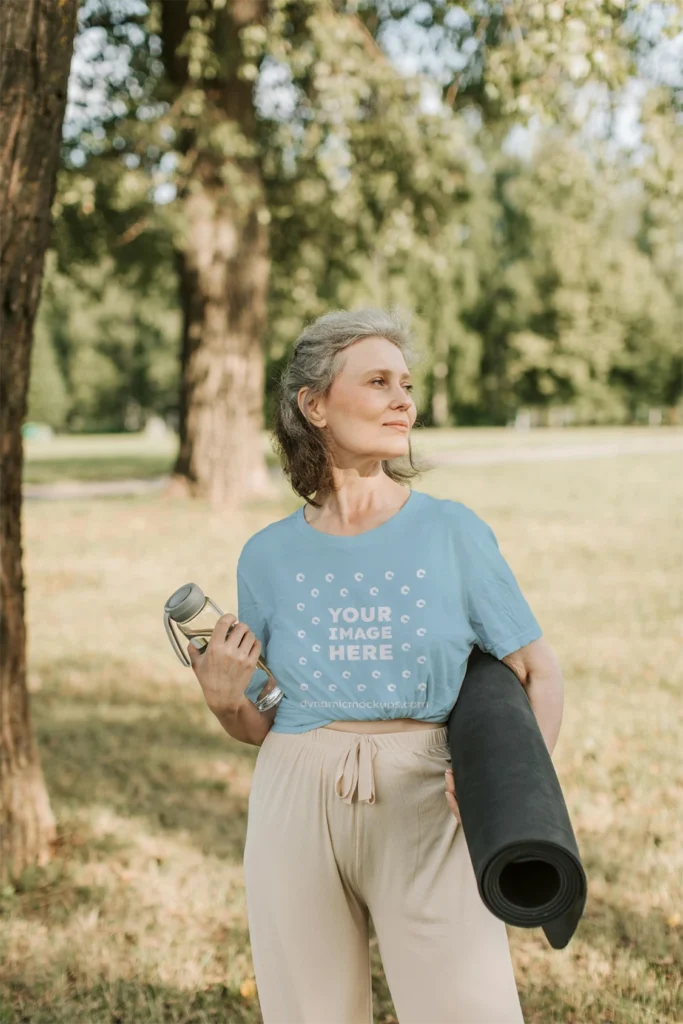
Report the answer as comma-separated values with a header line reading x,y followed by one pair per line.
x,y
354,771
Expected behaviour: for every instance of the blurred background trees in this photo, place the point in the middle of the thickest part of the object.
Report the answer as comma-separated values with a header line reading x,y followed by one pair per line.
x,y
512,173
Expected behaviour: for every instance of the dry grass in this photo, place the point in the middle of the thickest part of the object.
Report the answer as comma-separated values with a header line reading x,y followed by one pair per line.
x,y
142,917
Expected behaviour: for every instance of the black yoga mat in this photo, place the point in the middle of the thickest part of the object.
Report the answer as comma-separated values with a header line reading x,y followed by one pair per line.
x,y
513,814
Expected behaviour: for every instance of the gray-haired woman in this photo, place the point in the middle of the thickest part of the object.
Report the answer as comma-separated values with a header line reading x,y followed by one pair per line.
x,y
365,603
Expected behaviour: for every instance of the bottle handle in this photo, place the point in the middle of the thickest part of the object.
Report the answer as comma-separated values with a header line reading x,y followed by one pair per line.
x,y
175,644
272,698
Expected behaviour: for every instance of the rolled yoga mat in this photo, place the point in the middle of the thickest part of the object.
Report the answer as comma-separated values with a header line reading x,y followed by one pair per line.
x,y
514,818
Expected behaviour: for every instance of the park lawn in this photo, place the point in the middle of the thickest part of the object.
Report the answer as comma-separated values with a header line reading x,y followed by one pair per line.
x,y
77,457
89,457
141,918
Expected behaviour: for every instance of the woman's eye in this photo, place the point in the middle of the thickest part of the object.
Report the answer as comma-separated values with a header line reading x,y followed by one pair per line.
x,y
408,387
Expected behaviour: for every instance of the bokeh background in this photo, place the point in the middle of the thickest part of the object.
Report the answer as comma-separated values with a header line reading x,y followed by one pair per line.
x,y
511,174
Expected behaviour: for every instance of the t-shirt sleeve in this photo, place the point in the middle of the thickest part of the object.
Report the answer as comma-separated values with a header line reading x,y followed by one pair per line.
x,y
249,612
498,611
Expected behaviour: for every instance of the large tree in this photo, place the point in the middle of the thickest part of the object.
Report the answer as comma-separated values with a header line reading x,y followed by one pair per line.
x,y
36,40
277,204
236,194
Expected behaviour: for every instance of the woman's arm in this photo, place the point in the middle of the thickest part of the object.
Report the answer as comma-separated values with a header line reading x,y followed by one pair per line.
x,y
537,667
245,722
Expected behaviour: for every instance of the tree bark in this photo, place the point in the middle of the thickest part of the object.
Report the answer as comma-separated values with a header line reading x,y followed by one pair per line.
x,y
36,40
223,275
223,272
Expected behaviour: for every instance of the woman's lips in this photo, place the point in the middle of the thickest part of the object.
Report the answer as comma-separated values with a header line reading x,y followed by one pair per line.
x,y
397,426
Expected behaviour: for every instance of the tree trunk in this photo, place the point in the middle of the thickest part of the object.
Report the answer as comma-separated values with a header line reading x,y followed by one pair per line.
x,y
223,270
36,39
223,275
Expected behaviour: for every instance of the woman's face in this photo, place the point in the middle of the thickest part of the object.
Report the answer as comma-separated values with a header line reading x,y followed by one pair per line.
x,y
372,389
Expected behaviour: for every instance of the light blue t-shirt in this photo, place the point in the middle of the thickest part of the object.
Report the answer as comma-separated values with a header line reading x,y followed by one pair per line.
x,y
379,625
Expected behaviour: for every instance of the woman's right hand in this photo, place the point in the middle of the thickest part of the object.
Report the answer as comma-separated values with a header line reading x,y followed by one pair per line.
x,y
225,668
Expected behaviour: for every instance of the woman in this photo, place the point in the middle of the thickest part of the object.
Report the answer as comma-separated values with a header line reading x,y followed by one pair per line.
x,y
366,603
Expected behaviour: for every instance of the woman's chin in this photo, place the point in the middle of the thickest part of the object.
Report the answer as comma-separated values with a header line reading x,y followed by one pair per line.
x,y
396,451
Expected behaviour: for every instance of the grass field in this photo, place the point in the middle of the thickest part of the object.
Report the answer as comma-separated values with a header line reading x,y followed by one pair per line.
x,y
141,919
134,456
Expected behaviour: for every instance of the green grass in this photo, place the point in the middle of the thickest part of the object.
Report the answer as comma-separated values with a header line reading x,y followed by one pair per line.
x,y
97,457
125,456
141,917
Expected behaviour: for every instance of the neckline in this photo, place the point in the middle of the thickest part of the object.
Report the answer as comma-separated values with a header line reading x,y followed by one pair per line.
x,y
394,522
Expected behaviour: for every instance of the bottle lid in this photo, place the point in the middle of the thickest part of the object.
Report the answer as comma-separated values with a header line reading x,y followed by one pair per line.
x,y
185,602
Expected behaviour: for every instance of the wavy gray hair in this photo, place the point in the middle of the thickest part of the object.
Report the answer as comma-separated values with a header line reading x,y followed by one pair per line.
x,y
315,362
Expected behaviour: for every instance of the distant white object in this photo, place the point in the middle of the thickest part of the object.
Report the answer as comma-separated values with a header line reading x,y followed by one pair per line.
x,y
523,420
37,431
155,427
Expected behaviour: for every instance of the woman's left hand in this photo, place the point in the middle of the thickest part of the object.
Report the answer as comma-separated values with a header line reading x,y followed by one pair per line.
x,y
450,793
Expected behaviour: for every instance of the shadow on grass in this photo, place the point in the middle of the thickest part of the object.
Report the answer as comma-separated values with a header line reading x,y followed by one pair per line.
x,y
96,467
140,1002
123,1001
156,761
91,468
152,757
608,924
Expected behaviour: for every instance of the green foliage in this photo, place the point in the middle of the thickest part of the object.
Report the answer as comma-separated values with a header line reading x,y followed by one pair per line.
x,y
48,400
117,348
588,321
552,279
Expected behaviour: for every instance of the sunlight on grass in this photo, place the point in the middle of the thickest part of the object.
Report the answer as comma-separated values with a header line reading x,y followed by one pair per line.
x,y
142,915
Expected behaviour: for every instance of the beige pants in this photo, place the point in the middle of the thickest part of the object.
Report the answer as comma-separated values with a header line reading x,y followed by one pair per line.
x,y
342,825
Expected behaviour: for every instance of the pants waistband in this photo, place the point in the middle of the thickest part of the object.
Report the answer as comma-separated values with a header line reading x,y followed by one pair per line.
x,y
354,771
